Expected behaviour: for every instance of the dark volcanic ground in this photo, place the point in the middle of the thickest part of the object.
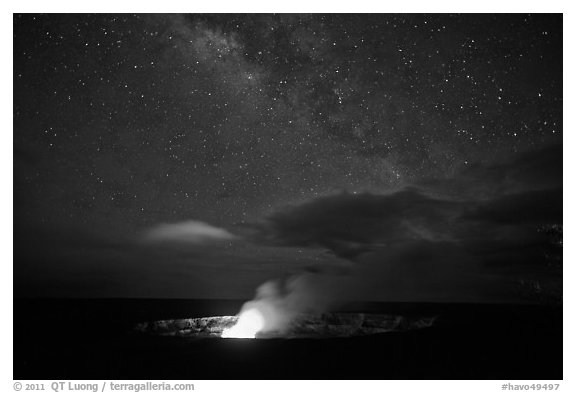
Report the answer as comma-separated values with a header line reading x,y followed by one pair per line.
x,y
96,339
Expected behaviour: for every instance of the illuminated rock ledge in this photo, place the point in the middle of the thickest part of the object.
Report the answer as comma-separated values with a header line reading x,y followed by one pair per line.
x,y
306,326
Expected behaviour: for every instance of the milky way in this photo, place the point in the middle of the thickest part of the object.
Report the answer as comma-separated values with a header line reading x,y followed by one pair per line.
x,y
221,117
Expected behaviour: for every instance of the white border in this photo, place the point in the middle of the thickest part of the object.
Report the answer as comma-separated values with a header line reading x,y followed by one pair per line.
x,y
300,6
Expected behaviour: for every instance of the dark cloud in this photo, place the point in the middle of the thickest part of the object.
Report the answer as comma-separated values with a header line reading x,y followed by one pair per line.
x,y
350,224
533,170
537,207
500,225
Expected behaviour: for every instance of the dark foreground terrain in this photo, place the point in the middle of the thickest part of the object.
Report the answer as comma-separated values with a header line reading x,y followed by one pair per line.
x,y
96,339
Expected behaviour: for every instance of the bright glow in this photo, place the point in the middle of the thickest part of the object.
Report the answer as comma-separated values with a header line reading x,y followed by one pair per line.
x,y
249,323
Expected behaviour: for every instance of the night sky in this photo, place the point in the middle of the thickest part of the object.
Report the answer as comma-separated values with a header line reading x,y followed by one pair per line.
x,y
384,157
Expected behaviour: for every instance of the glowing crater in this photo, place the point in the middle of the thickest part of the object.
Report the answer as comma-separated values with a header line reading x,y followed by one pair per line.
x,y
255,323
250,322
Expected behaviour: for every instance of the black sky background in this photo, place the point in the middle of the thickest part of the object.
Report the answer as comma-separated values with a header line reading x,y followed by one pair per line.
x,y
380,157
